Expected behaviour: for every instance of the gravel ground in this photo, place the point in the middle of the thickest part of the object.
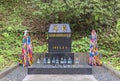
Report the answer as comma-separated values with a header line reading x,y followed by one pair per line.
x,y
100,73
17,75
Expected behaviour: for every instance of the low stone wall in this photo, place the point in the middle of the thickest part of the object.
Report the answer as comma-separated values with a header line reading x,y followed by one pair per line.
x,y
8,70
83,57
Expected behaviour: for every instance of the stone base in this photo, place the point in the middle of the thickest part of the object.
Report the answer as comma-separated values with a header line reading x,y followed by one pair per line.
x,y
59,69
59,78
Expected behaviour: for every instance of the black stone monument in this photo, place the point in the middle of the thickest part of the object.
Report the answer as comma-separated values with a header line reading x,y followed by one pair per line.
x,y
59,44
59,38
59,59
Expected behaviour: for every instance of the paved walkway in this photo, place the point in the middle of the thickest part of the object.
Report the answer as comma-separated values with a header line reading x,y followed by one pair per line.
x,y
60,78
99,74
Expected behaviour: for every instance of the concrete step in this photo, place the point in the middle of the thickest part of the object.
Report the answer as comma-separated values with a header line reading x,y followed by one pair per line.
x,y
59,78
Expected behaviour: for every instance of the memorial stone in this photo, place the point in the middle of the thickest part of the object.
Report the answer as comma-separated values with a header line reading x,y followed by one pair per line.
x,y
59,59
59,43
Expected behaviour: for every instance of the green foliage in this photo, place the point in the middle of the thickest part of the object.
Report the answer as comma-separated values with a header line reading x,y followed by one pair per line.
x,y
110,40
10,41
40,49
1,59
1,62
5,62
80,45
82,13
118,27
113,61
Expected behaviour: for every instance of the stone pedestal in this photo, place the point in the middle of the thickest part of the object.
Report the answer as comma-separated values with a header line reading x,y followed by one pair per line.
x,y
59,69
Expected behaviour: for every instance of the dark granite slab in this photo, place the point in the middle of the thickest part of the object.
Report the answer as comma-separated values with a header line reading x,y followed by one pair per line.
x,y
59,28
59,69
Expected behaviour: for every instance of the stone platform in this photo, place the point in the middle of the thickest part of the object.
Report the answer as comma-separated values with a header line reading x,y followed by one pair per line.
x,y
59,69
59,78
